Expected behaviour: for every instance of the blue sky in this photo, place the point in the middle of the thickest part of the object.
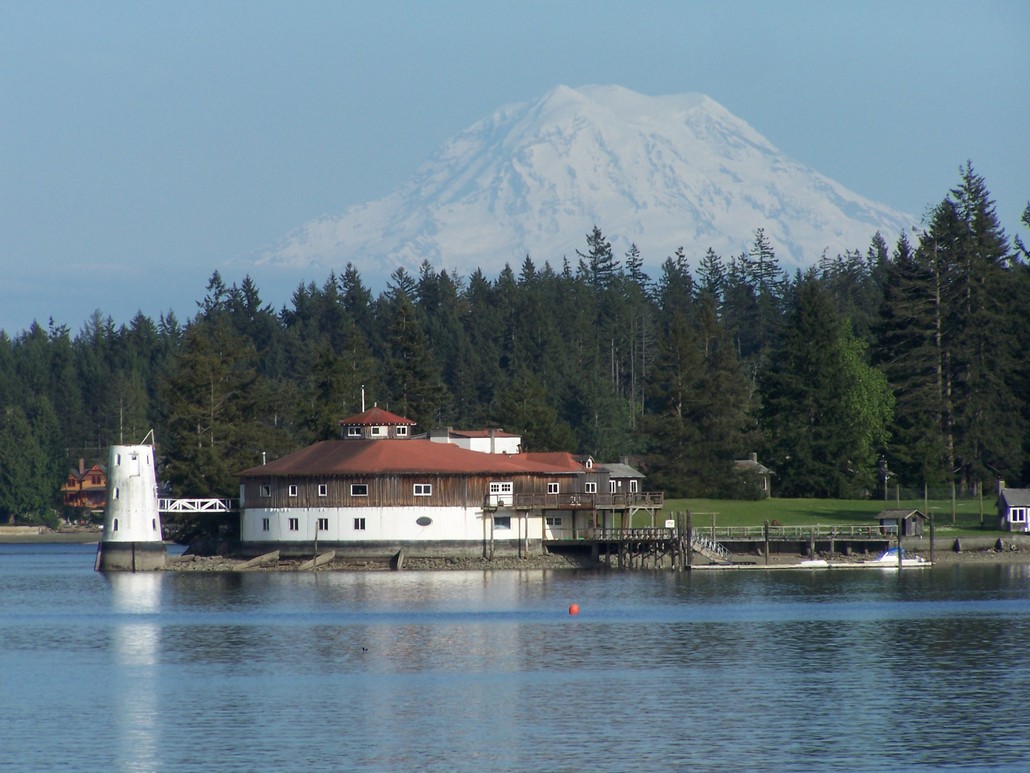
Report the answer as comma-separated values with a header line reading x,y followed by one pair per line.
x,y
145,144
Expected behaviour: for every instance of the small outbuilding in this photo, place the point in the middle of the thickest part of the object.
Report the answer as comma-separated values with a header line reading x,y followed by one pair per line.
x,y
909,523
1014,509
759,472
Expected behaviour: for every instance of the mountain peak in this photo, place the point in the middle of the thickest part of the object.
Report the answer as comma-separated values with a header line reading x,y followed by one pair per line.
x,y
533,178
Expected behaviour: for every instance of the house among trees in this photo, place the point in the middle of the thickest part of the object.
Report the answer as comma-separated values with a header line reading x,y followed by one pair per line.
x,y
1013,508
85,489
378,489
753,469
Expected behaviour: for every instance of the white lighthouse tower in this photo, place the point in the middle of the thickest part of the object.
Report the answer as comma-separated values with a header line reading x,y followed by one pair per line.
x,y
132,521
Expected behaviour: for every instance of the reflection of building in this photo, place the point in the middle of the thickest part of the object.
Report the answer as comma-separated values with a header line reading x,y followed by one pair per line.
x,y
379,488
85,489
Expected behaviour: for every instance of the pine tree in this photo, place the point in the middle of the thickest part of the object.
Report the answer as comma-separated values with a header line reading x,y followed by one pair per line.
x,y
825,412
413,382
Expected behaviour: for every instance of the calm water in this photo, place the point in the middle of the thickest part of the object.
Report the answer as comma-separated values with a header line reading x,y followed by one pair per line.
x,y
821,670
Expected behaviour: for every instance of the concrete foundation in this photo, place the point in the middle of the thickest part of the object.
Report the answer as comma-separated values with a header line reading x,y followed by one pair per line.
x,y
131,556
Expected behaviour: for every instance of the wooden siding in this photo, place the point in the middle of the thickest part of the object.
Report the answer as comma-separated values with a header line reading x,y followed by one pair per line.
x,y
392,490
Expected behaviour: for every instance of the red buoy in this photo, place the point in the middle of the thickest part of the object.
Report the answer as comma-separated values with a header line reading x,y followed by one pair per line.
x,y
573,609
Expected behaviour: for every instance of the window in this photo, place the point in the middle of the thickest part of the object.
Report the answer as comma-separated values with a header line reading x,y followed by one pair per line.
x,y
322,524
402,431
265,490
353,431
295,524
552,488
116,492
589,463
266,524
293,489
323,489
116,524
1018,515
359,524
376,431
553,520
634,486
502,522
590,487
359,489
423,489
611,486
501,488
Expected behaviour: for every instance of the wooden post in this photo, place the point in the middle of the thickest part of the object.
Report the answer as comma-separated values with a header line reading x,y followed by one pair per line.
x,y
690,539
766,530
901,528
932,554
953,503
811,543
980,488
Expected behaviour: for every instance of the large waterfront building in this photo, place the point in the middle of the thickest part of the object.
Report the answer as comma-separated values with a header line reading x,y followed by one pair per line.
x,y
379,489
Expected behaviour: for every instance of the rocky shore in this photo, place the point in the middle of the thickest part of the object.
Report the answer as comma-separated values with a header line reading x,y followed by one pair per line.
x,y
194,563
1006,549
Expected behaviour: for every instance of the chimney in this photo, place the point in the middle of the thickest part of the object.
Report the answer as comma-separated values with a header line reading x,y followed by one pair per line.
x,y
753,456
493,440
82,466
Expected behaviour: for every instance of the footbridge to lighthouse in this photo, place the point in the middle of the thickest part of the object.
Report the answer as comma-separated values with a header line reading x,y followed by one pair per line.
x,y
216,505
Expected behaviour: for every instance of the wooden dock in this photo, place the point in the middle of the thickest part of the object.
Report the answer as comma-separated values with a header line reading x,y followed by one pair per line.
x,y
657,548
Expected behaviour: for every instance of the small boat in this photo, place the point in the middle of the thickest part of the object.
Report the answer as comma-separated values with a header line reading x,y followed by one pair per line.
x,y
888,559
814,563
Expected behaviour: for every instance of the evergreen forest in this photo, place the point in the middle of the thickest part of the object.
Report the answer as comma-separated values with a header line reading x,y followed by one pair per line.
x,y
899,360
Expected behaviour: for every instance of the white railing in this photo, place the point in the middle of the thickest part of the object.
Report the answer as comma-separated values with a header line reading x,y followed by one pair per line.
x,y
197,505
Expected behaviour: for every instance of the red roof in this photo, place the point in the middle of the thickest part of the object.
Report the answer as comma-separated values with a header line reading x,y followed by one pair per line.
x,y
376,417
369,457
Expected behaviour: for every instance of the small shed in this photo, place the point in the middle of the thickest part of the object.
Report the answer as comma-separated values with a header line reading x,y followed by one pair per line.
x,y
1014,509
909,522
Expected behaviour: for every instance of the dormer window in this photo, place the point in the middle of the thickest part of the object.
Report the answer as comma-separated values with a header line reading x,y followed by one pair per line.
x,y
589,463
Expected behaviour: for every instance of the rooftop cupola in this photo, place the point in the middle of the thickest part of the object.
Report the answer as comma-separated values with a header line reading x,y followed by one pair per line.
x,y
376,424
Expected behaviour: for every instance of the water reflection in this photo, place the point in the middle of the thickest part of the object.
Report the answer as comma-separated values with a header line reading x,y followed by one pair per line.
x,y
135,720
473,670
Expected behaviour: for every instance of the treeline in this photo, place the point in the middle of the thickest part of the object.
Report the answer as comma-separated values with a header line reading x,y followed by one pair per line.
x,y
903,361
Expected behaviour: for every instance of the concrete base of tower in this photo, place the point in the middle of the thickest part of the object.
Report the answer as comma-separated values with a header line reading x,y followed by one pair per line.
x,y
131,556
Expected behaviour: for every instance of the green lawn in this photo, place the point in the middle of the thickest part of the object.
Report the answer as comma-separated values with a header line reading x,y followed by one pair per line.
x,y
810,512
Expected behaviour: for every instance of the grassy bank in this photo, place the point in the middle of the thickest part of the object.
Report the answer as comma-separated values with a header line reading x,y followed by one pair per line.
x,y
812,512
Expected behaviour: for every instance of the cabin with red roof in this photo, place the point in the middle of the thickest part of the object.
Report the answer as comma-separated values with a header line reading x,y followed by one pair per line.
x,y
379,489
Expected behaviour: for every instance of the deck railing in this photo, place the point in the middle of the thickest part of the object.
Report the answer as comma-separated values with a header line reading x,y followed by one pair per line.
x,y
821,531
575,501
706,534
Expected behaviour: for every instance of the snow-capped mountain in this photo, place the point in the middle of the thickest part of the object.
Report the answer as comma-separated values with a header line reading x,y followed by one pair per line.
x,y
660,172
